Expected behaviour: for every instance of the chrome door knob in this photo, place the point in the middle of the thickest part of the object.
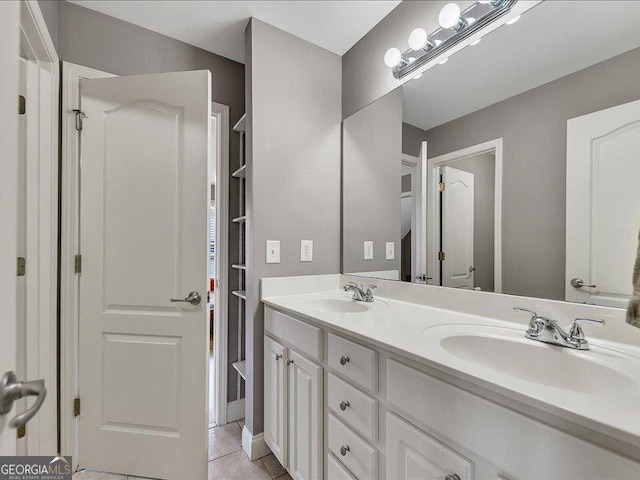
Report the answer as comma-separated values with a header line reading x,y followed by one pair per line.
x,y
11,390
579,283
278,356
344,360
344,405
193,298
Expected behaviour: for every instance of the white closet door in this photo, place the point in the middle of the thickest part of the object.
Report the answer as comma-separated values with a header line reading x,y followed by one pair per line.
x,y
143,234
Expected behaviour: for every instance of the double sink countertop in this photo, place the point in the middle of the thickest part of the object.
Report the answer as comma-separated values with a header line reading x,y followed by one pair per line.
x,y
593,394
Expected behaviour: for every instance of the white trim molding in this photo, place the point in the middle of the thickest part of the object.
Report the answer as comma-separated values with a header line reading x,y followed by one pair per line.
x,y
432,203
41,175
254,445
221,315
234,410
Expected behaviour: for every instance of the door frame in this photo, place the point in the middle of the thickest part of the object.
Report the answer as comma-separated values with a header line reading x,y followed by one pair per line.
x,y
221,315
42,226
69,247
433,164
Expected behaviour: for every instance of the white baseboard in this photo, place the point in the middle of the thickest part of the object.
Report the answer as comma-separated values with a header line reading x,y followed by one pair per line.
x,y
235,410
254,445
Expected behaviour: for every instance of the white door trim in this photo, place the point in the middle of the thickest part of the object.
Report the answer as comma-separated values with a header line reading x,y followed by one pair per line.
x,y
42,226
221,316
69,247
432,203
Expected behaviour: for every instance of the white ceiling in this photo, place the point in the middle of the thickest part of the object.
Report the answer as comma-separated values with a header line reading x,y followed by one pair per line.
x,y
218,26
552,40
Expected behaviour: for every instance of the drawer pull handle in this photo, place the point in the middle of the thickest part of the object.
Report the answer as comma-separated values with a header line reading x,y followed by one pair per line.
x,y
344,360
453,476
289,362
278,356
344,405
344,449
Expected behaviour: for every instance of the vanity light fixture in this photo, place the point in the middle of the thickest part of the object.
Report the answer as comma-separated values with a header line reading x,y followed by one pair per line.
x,y
456,26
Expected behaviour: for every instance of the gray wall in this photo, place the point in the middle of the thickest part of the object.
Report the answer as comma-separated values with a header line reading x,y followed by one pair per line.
x,y
293,168
365,77
95,40
483,168
534,127
412,138
371,166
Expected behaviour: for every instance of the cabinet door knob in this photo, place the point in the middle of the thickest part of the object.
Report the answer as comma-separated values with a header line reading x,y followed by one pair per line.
x,y
344,404
345,448
343,360
453,476
289,362
278,356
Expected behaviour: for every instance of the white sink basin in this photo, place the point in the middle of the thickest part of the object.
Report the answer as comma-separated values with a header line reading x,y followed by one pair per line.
x,y
507,351
334,305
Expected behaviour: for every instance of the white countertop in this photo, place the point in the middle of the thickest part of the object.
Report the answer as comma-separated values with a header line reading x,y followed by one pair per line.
x,y
408,329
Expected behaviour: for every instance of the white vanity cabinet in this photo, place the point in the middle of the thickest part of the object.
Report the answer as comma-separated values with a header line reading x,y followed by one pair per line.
x,y
385,416
293,396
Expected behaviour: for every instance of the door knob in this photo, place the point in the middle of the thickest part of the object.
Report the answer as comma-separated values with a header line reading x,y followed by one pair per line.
x,y
453,476
344,360
193,298
12,390
579,283
344,449
344,404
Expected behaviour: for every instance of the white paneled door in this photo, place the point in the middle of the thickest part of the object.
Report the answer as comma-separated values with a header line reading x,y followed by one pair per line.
x,y
275,398
144,241
603,205
457,228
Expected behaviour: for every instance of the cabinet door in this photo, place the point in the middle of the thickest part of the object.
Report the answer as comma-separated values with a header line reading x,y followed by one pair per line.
x,y
413,455
305,418
275,398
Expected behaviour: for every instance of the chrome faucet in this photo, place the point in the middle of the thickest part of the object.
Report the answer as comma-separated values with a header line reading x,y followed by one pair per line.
x,y
546,330
359,293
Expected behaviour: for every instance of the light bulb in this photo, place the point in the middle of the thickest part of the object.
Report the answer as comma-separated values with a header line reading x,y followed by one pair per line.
x,y
513,20
392,57
484,2
418,39
449,15
475,42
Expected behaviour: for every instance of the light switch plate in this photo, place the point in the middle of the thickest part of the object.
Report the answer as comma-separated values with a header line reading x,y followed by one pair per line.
x,y
391,251
368,250
273,251
306,250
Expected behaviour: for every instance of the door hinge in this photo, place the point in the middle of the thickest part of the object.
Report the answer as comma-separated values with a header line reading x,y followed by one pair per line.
x,y
441,187
80,116
22,266
76,407
77,262
22,105
441,256
21,431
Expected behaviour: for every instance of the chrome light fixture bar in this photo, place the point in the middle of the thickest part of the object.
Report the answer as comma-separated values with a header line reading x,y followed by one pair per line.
x,y
455,27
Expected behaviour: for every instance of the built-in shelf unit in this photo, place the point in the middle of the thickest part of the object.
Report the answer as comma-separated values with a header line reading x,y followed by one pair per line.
x,y
240,364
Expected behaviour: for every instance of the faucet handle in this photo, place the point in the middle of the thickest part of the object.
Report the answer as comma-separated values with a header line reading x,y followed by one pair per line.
x,y
526,310
576,329
371,287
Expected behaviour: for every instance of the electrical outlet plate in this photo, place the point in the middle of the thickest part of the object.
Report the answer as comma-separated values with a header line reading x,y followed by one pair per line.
x,y
306,250
391,251
273,251
368,250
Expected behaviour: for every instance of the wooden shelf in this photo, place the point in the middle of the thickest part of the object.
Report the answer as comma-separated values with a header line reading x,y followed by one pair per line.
x,y
240,294
239,219
241,368
240,173
239,267
240,126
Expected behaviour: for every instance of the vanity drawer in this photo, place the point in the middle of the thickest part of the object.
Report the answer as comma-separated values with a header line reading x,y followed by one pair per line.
x,y
303,337
354,362
354,407
355,453
336,471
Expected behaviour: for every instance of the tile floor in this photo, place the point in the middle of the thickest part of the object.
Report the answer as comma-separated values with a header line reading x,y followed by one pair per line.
x,y
227,461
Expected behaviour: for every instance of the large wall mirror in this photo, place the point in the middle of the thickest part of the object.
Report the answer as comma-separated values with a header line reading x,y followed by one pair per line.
x,y
513,167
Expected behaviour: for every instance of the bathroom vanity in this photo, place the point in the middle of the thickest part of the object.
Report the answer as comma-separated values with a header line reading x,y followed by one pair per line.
x,y
396,390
